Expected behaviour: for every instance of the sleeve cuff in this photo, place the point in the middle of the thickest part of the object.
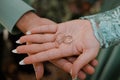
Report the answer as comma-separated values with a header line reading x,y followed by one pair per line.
x,y
11,12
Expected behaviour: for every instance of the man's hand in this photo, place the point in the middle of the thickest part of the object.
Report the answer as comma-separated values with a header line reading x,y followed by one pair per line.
x,y
31,20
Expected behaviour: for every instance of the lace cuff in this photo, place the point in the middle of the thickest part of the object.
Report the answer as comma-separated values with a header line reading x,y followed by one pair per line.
x,y
106,26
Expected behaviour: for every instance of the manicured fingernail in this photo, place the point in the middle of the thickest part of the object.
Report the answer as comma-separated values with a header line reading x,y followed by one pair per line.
x,y
75,78
14,51
18,42
28,32
21,62
71,71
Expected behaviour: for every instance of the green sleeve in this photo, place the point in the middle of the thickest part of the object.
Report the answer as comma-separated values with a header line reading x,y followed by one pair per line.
x,y
10,13
106,26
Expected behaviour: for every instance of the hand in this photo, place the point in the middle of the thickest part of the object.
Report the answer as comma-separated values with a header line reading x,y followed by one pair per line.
x,y
81,33
29,21
66,66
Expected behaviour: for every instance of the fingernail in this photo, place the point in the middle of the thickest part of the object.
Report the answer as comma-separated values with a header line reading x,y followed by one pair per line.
x,y
75,78
21,62
71,72
14,51
28,32
18,42
72,76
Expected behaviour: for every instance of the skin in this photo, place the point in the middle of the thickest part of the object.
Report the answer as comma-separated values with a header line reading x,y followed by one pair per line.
x,y
27,22
45,37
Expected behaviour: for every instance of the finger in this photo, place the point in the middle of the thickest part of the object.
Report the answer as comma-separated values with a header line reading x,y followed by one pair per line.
x,y
47,55
81,75
66,66
62,64
71,59
37,38
35,48
39,70
89,69
94,62
82,60
44,29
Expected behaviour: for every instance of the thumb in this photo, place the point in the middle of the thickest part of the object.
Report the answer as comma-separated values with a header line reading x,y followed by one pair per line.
x,y
39,70
82,60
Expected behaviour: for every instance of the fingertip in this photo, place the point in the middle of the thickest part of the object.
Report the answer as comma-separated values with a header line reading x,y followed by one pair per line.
x,y
94,63
23,39
89,69
28,33
74,72
21,62
76,78
38,72
71,59
26,61
81,75
14,51
18,42
18,50
71,72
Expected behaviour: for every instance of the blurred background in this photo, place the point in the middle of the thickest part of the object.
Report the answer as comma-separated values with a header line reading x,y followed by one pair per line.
x,y
56,10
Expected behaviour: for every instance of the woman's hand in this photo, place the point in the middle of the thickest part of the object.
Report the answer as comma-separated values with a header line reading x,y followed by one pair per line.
x,y
63,40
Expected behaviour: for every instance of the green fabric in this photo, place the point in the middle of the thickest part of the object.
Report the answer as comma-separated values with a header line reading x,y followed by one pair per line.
x,y
108,69
109,4
106,26
10,13
109,58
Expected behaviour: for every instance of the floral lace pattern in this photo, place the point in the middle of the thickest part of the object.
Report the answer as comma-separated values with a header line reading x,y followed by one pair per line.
x,y
106,26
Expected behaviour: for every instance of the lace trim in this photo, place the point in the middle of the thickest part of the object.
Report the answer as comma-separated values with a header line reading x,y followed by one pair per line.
x,y
106,26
